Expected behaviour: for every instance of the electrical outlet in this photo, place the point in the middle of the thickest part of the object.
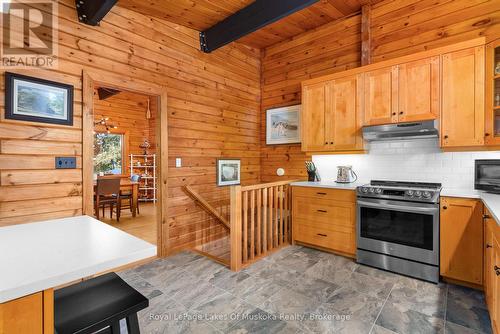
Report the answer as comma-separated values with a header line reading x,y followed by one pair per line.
x,y
178,162
65,162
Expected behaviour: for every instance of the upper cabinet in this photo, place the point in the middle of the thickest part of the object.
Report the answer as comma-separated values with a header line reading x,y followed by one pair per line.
x,y
314,107
492,135
419,90
462,101
447,84
331,119
381,96
402,93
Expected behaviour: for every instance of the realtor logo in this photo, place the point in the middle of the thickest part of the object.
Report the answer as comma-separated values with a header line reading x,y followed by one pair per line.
x,y
29,34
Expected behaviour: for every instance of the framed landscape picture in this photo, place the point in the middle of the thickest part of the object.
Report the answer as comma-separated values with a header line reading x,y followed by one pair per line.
x,y
38,100
283,125
228,172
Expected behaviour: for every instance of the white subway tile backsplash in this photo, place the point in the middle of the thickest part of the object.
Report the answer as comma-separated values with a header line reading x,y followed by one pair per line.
x,y
415,160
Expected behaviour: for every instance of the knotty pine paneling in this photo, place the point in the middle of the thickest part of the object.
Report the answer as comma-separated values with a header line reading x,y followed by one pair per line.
x,y
213,106
398,28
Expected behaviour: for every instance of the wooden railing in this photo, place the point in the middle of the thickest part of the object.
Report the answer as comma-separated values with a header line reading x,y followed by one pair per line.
x,y
217,214
260,221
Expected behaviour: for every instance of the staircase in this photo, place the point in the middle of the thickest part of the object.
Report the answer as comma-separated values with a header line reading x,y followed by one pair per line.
x,y
257,219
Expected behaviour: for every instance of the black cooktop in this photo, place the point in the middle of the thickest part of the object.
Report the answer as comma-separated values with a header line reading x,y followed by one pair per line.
x,y
405,184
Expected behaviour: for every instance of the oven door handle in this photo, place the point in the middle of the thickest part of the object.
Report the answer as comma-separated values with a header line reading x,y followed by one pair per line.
x,y
405,208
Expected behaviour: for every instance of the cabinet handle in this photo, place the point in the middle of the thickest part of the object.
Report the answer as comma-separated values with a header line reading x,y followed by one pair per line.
x,y
486,216
393,114
489,246
486,134
322,235
445,137
331,142
401,113
321,193
324,211
326,143
496,267
445,207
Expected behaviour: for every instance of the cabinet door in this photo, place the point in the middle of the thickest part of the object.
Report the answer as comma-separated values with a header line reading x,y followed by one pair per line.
x,y
462,113
313,117
492,111
381,96
461,235
344,121
488,262
419,90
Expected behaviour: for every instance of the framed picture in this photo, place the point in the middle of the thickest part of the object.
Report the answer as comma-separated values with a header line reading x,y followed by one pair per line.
x,y
283,125
228,172
38,100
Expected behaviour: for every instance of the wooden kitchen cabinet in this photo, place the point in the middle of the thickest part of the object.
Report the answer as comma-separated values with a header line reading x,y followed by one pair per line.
x,y
419,90
462,101
325,218
313,116
491,273
381,96
492,102
461,239
33,314
331,118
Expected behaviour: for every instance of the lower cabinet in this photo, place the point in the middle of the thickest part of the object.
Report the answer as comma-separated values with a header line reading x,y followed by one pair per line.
x,y
325,218
33,314
461,236
492,271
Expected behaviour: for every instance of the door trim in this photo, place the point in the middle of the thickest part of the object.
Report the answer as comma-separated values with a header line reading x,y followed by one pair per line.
x,y
90,80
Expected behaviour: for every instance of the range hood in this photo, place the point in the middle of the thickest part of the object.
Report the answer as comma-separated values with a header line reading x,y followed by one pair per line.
x,y
411,130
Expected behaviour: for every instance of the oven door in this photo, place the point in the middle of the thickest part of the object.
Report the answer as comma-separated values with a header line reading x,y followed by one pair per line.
x,y
406,230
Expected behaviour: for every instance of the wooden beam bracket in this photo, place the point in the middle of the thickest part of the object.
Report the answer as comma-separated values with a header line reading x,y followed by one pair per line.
x,y
91,12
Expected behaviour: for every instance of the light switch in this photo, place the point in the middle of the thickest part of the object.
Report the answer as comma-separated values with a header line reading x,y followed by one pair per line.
x,y
178,162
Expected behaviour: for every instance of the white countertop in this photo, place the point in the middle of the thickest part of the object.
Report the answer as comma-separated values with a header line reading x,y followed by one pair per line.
x,y
460,192
43,255
329,184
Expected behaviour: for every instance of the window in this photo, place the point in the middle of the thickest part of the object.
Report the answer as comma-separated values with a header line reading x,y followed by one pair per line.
x,y
108,153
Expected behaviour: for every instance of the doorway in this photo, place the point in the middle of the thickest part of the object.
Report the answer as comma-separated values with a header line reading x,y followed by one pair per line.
x,y
125,139
125,150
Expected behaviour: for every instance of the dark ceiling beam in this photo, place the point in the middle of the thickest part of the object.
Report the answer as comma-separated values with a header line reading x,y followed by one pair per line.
x,y
249,19
91,12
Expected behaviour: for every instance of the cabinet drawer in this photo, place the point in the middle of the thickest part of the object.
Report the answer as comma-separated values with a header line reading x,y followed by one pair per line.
x,y
317,236
325,211
324,226
325,193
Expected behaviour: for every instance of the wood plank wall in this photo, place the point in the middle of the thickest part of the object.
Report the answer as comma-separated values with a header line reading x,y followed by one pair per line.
x,y
213,105
399,27
127,111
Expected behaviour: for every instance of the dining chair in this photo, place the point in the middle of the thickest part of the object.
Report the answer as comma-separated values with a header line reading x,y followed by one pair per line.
x,y
108,192
127,195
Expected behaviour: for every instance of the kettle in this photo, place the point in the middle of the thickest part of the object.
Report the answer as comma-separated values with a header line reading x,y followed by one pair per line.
x,y
345,174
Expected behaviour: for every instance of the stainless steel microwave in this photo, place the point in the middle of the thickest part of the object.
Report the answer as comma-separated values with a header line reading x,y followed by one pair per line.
x,y
487,175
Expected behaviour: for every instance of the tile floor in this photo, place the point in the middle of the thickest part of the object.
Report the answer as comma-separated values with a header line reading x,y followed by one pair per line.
x,y
299,290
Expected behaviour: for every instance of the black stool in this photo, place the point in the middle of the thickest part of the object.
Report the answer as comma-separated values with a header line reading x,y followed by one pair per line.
x,y
97,303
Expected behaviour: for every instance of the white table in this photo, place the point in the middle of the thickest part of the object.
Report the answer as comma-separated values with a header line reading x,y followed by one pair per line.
x,y
39,256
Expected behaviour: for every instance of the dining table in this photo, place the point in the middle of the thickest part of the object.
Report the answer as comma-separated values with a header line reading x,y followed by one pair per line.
x,y
127,185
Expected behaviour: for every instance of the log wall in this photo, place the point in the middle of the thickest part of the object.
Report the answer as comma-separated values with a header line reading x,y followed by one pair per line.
x,y
213,111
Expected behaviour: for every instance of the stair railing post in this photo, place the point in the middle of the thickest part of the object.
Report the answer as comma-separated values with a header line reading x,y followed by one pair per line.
x,y
235,231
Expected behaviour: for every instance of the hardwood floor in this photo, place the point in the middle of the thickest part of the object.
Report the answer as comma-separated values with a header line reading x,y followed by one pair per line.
x,y
142,226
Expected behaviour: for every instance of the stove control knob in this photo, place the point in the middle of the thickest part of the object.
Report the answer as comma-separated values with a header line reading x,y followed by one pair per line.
x,y
364,190
418,193
378,191
371,190
427,194
409,193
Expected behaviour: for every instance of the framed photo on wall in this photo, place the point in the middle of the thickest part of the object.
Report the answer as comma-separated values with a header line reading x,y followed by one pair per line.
x,y
283,125
228,172
38,100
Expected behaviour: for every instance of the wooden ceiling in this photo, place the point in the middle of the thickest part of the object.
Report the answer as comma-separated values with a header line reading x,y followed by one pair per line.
x,y
202,14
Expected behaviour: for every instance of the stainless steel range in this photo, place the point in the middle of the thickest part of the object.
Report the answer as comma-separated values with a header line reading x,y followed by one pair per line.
x,y
398,227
